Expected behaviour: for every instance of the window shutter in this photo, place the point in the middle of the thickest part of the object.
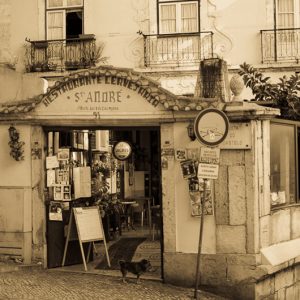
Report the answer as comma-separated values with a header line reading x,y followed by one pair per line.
x,y
56,25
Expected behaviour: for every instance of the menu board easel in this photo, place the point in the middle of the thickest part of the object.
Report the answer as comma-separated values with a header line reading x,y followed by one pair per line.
x,y
89,229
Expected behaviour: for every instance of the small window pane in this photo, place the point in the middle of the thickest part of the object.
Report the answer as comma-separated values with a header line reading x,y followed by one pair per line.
x,y
55,25
55,3
74,3
286,13
168,18
282,168
189,17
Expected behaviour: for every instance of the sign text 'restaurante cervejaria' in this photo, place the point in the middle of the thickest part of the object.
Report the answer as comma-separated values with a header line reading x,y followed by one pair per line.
x,y
98,96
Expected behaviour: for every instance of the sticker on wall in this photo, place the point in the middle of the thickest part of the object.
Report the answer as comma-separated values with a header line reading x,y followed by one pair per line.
x,y
168,152
195,201
192,153
164,163
180,154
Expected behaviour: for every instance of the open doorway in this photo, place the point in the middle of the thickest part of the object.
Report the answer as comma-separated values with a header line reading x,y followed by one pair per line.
x,y
127,192
73,24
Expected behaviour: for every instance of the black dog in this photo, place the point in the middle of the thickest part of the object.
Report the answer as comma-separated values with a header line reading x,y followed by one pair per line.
x,y
137,268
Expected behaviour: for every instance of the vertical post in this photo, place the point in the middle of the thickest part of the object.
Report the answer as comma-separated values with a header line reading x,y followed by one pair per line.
x,y
196,294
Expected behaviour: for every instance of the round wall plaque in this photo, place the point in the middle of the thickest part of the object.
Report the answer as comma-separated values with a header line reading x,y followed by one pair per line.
x,y
122,150
211,127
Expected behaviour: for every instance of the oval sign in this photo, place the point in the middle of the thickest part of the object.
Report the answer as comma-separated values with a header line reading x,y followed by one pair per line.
x,y
122,150
211,126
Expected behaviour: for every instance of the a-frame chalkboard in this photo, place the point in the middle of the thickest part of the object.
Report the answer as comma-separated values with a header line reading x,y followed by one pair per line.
x,y
89,229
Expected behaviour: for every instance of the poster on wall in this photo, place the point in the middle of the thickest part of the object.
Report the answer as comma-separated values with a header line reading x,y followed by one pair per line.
x,y
63,154
52,162
50,178
55,211
188,168
195,201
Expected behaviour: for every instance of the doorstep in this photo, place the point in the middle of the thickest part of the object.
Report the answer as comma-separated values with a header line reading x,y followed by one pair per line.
x,y
15,266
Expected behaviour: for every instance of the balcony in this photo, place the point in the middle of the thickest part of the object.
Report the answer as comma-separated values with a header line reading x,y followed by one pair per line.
x,y
61,55
177,50
280,45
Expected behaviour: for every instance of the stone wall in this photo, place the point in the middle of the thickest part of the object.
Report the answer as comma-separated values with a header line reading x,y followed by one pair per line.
x,y
283,284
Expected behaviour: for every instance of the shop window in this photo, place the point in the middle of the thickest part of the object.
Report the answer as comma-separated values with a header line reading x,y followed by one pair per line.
x,y
178,17
283,163
64,19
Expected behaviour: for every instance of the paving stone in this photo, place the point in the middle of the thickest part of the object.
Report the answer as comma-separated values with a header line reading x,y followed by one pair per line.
x,y
37,284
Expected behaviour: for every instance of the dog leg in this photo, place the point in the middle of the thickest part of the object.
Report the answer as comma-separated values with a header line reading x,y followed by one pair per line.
x,y
138,279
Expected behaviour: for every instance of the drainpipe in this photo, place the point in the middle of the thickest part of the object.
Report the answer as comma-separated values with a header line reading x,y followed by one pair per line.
x,y
275,30
199,24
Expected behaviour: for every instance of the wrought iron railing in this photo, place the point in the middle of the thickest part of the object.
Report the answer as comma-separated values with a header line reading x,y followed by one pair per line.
x,y
280,45
177,49
49,55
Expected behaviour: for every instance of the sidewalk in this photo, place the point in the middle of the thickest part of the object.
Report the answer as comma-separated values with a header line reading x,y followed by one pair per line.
x,y
35,283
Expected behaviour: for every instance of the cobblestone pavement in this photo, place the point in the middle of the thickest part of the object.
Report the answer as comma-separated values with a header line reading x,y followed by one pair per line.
x,y
56,285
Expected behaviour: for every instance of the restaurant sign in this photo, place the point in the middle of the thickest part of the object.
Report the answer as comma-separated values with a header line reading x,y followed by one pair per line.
x,y
98,94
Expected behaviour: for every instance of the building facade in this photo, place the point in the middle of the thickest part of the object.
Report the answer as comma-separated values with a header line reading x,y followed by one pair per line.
x,y
156,64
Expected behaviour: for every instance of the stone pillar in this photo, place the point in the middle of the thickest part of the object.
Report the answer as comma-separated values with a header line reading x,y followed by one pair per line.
x,y
212,80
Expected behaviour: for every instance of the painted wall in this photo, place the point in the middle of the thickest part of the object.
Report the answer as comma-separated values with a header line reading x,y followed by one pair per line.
x,y
15,197
15,173
187,226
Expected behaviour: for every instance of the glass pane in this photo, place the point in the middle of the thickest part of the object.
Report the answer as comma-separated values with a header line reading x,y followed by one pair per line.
x,y
168,18
55,3
55,25
74,3
189,17
282,168
286,13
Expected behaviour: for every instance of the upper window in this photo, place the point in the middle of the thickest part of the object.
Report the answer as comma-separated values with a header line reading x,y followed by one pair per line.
x,y
178,17
64,19
283,169
288,13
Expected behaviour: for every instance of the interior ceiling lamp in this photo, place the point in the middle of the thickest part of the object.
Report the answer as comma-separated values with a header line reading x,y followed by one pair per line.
x,y
191,132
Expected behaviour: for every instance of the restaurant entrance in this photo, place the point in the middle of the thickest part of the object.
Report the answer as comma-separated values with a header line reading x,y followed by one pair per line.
x,y
82,170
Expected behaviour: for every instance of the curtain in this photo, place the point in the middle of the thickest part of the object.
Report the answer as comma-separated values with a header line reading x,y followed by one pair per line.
x,y
189,17
285,13
55,25
168,18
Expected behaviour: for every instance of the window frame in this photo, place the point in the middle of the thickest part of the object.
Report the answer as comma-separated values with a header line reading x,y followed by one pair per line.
x,y
159,3
65,8
296,129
